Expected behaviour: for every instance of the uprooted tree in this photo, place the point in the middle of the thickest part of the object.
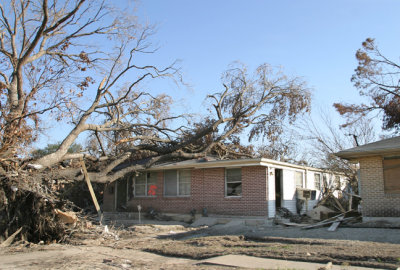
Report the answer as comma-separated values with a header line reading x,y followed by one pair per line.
x,y
257,104
377,78
54,64
82,62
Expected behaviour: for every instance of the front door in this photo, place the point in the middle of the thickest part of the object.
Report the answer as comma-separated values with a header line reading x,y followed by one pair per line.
x,y
278,188
121,194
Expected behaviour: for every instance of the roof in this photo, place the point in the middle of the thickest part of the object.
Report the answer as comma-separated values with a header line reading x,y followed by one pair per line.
x,y
215,163
384,147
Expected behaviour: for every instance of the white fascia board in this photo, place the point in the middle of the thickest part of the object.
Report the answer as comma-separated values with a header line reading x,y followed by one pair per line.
x,y
236,163
282,165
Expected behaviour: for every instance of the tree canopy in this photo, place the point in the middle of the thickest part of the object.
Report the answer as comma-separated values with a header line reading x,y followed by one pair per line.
x,y
51,57
378,78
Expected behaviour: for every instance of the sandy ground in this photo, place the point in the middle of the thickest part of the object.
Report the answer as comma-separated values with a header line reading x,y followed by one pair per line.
x,y
178,247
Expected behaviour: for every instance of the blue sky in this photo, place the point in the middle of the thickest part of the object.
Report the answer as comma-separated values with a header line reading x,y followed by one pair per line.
x,y
315,40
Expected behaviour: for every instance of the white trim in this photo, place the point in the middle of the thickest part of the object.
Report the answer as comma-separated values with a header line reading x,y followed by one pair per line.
x,y
235,163
320,180
302,179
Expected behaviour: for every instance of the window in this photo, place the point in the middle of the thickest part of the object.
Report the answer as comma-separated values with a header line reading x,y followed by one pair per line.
x,y
177,183
299,179
317,181
233,182
391,175
325,181
337,182
146,184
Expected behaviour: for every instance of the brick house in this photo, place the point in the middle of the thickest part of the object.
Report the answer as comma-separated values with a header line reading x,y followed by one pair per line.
x,y
379,176
250,187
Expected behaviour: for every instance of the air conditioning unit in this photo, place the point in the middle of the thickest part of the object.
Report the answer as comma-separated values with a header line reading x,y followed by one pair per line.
x,y
303,194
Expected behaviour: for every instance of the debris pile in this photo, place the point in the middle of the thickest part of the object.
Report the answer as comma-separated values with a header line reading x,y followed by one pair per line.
x,y
37,206
154,214
30,208
330,210
335,221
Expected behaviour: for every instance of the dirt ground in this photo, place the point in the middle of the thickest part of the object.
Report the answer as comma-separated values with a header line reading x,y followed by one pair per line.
x,y
180,247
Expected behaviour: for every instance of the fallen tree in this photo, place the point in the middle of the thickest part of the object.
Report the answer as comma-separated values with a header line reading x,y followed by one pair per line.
x,y
56,52
259,105
48,50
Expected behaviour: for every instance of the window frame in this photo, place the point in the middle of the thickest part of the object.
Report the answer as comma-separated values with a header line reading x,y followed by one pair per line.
x,y
388,166
319,182
178,182
146,185
302,179
337,182
226,183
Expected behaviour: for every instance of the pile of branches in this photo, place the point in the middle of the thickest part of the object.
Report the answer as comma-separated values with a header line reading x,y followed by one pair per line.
x,y
29,203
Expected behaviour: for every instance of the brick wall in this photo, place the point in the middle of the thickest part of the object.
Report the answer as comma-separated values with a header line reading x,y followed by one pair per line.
x,y
375,202
208,190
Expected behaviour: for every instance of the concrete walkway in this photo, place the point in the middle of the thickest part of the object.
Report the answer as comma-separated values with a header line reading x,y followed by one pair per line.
x,y
264,263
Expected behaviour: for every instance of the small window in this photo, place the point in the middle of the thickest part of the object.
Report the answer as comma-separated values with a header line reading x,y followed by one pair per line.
x,y
299,179
337,182
177,183
324,181
184,182
317,181
146,184
233,182
391,175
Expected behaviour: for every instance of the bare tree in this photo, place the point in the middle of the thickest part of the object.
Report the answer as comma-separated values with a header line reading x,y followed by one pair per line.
x,y
47,51
52,55
377,78
284,148
327,139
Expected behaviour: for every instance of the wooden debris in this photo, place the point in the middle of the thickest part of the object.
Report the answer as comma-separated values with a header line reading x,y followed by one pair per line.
x,y
350,201
329,221
293,224
66,217
89,184
339,204
318,212
335,225
10,239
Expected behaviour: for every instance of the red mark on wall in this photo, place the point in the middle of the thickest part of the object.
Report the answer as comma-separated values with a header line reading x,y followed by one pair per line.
x,y
152,190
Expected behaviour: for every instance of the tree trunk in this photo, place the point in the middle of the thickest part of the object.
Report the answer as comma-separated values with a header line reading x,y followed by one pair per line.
x,y
53,158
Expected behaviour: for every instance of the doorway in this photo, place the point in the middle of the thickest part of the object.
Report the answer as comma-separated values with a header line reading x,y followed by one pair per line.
x,y
278,188
121,194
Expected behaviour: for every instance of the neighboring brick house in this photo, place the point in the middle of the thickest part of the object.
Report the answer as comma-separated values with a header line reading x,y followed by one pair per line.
x,y
251,187
379,176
